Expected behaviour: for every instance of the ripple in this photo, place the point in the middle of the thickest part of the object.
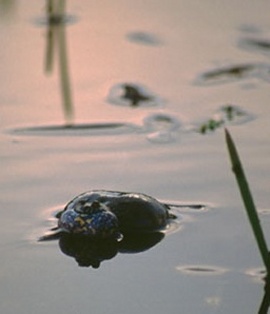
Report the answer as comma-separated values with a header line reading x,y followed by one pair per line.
x,y
264,211
260,45
47,224
201,270
250,29
188,207
162,128
258,274
144,38
161,122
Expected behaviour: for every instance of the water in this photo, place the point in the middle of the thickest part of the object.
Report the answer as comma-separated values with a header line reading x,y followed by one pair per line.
x,y
211,264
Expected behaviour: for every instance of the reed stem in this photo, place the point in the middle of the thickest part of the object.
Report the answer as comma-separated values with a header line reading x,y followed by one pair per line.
x,y
248,200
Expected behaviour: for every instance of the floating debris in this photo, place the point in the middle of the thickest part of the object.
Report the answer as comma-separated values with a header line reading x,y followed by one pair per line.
x,y
132,95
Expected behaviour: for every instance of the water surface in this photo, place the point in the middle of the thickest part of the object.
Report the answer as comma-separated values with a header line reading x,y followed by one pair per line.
x,y
51,152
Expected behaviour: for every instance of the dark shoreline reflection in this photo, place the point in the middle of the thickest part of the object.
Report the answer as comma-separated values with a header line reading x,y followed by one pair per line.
x,y
92,252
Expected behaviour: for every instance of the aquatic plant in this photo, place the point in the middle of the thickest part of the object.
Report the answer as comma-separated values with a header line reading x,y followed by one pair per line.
x,y
248,200
253,217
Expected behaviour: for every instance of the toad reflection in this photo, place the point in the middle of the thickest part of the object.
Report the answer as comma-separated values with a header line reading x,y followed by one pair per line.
x,y
92,252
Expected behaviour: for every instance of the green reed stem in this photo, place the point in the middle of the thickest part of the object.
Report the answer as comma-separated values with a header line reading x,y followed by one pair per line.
x,y
248,200
266,298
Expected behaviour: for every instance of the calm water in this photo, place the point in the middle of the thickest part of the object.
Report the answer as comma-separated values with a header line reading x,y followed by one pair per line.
x,y
189,58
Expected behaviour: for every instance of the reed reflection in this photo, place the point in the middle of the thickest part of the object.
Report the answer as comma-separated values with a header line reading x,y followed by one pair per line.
x,y
7,8
56,44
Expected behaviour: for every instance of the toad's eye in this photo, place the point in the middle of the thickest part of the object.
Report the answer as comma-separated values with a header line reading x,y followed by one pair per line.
x,y
92,208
